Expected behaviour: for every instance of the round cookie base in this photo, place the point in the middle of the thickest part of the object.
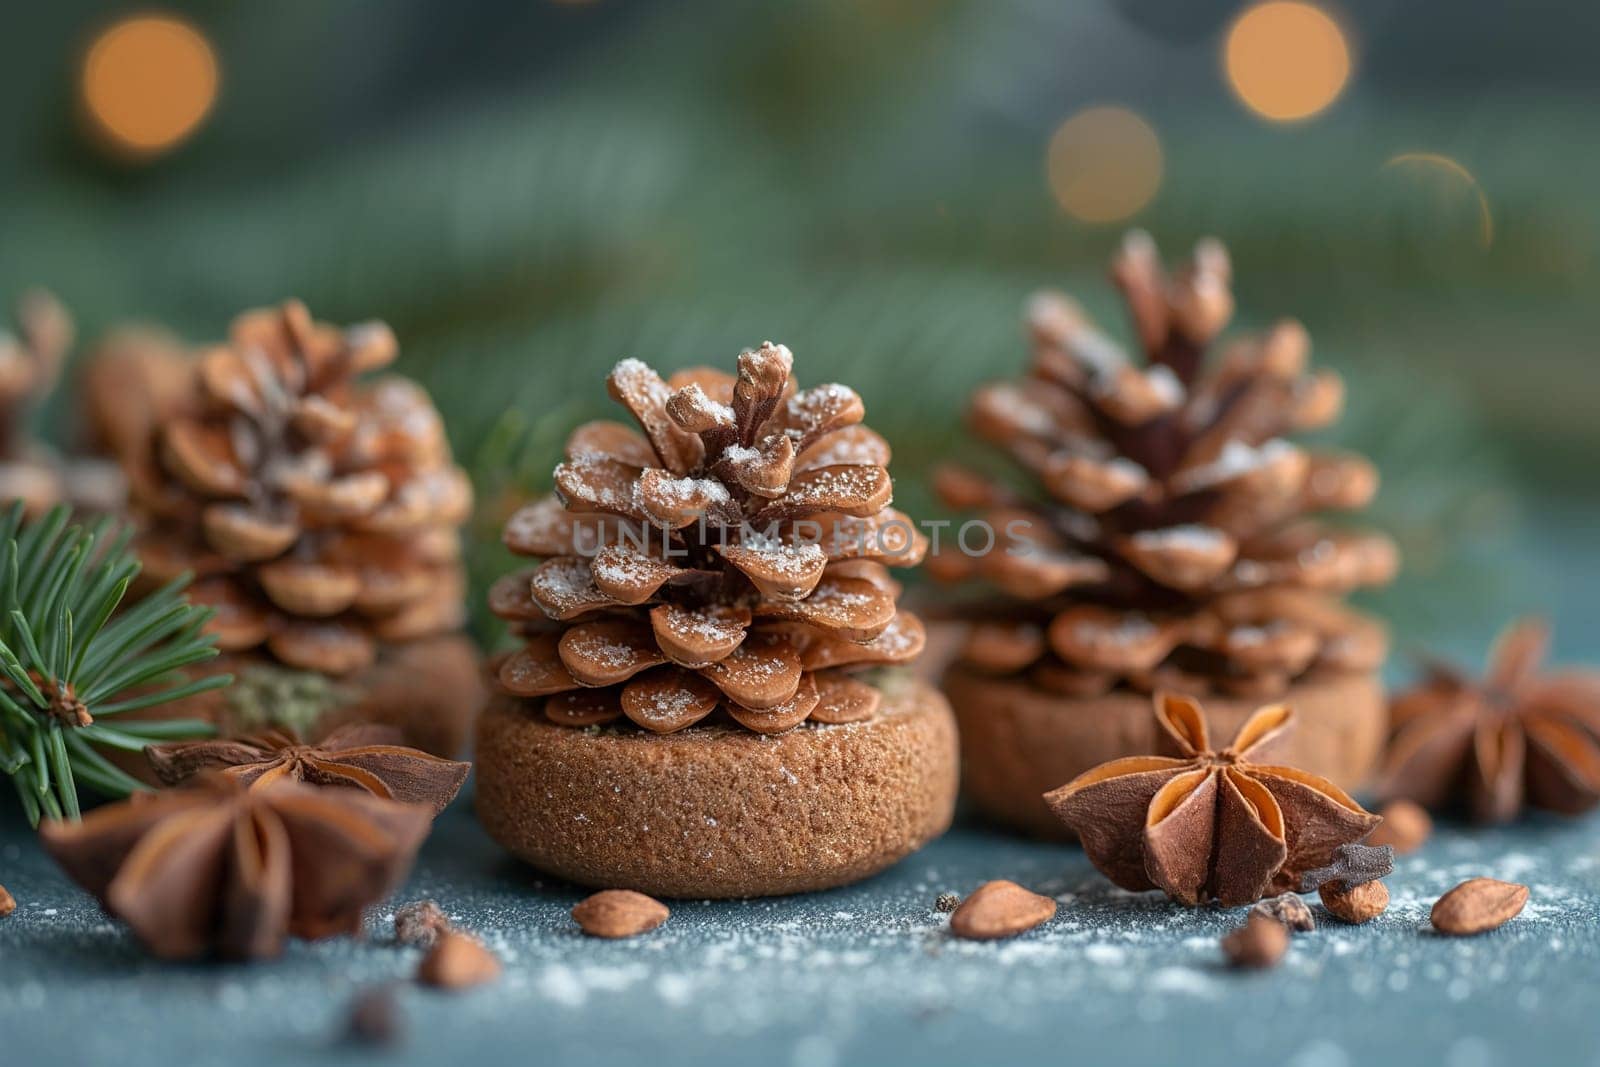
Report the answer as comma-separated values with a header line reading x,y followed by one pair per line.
x,y
1019,741
718,811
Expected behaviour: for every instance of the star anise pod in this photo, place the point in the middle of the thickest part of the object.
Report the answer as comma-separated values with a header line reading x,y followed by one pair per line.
x,y
219,868
1167,523
1209,825
360,756
1491,746
734,554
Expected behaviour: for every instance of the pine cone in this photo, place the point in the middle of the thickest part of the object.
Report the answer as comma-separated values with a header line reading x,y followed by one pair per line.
x,y
733,555
135,378
30,364
1170,546
319,512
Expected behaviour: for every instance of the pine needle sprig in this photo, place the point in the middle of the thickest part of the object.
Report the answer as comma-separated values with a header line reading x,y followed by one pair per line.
x,y
69,661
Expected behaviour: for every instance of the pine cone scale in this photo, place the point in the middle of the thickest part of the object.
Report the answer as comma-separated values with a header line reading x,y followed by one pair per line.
x,y
607,653
699,638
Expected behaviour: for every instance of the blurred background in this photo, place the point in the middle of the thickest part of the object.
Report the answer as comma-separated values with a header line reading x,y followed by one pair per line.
x,y
530,190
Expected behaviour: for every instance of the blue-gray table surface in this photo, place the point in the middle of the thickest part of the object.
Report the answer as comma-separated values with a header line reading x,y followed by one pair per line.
x,y
868,974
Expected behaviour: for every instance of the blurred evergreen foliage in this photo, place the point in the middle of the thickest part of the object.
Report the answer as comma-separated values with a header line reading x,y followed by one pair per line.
x,y
529,192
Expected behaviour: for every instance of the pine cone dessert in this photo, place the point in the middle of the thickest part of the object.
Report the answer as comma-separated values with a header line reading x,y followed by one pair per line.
x,y
31,358
1166,540
719,578
318,508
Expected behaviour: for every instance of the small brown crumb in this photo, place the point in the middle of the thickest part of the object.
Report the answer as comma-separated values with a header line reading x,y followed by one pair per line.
x,y
1357,903
1405,827
1478,905
458,961
1260,942
375,1018
946,902
8,903
1000,909
1288,909
619,913
420,923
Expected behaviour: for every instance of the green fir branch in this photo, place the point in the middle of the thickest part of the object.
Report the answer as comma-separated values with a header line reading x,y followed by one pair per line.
x,y
70,663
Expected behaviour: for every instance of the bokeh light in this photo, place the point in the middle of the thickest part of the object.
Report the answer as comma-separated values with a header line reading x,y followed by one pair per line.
x,y
1104,164
148,82
1450,181
1286,60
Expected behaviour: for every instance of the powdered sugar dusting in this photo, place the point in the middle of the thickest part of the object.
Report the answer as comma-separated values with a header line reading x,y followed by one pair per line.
x,y
1126,630
868,973
777,558
543,526
1168,389
702,627
689,492
1019,409
622,567
1190,537
599,481
662,705
566,585
603,649
849,447
1236,460
1119,964
818,408
835,487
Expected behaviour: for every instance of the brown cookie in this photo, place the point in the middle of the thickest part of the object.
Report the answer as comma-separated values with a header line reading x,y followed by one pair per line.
x,y
717,810
1019,741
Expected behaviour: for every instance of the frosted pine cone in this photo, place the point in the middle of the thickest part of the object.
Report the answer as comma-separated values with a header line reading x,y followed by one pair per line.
x,y
319,512
1170,545
735,554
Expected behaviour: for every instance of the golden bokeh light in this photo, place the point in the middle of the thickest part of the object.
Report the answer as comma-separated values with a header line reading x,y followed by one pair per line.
x,y
1104,164
148,81
1456,180
1286,60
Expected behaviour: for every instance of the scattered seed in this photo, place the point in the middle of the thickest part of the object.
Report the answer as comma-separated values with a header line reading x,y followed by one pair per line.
x,y
375,1018
1287,909
1260,942
1478,905
1000,909
946,902
457,961
618,913
1355,904
420,923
